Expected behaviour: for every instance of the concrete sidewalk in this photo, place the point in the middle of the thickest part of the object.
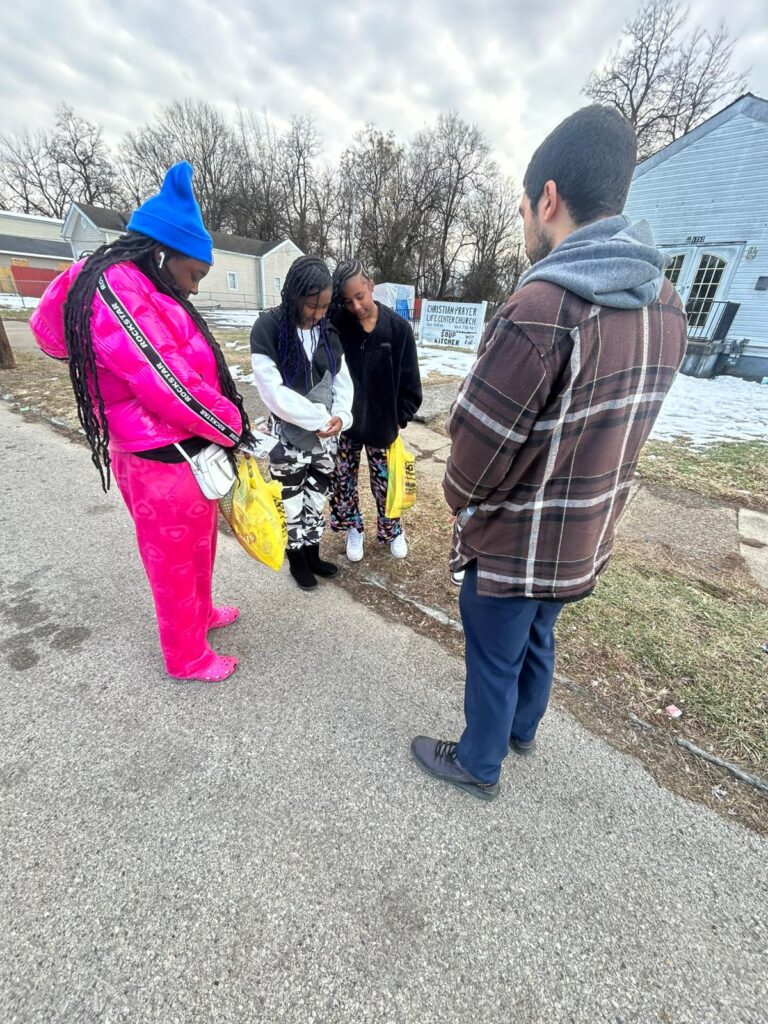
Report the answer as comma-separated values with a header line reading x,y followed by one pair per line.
x,y
264,849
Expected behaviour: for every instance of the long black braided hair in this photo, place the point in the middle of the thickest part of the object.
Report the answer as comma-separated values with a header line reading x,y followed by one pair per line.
x,y
307,276
78,310
343,273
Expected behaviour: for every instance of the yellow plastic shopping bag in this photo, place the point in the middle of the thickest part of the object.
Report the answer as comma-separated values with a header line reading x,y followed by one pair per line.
x,y
401,479
255,513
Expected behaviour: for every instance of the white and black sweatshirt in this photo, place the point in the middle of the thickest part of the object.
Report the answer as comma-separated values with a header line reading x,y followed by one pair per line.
x,y
291,404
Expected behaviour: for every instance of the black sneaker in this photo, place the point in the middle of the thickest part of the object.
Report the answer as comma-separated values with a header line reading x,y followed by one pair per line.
x,y
519,747
438,759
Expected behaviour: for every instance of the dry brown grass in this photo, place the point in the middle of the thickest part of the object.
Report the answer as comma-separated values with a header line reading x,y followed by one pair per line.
x,y
733,471
657,631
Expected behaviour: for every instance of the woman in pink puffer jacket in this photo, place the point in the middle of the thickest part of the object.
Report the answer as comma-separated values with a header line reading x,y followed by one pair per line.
x,y
148,374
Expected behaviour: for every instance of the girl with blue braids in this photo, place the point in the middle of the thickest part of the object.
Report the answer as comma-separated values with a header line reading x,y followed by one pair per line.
x,y
298,368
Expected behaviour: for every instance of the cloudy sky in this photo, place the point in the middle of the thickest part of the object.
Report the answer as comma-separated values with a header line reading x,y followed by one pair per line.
x,y
516,69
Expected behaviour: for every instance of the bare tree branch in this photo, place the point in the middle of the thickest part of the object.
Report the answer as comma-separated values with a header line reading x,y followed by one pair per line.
x,y
666,81
190,130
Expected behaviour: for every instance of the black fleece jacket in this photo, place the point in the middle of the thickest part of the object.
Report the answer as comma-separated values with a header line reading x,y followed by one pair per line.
x,y
384,368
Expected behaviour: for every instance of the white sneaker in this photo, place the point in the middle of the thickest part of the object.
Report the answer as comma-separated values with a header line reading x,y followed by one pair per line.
x,y
457,578
398,546
354,544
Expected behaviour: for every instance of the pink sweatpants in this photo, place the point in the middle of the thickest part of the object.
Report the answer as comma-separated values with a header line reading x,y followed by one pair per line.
x,y
176,534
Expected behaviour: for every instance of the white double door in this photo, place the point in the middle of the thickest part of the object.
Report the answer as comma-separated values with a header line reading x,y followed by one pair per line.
x,y
702,275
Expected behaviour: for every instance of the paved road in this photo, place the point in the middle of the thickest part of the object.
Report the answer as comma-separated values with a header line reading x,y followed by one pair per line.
x,y
264,850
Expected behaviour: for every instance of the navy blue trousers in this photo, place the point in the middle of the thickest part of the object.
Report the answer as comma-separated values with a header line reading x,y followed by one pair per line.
x,y
510,661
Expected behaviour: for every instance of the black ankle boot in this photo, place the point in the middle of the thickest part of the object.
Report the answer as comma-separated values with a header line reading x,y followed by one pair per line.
x,y
300,571
317,564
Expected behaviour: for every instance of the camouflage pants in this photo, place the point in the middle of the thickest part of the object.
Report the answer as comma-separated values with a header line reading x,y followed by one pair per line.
x,y
306,479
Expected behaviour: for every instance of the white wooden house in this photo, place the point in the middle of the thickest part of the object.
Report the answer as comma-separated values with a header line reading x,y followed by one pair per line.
x,y
246,274
706,198
32,253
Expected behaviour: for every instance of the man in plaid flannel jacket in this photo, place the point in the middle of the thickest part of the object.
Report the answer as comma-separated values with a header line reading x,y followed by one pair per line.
x,y
547,430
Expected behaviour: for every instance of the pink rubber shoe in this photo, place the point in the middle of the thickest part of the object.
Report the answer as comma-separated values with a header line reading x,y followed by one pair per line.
x,y
216,670
223,616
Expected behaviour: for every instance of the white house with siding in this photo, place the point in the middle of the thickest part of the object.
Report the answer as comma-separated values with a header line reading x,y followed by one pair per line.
x,y
706,198
32,252
246,274
30,225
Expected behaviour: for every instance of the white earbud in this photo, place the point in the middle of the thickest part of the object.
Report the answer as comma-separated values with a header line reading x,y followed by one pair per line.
x,y
161,260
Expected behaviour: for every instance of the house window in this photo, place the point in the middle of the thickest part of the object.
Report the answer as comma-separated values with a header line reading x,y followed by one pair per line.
x,y
703,290
278,285
233,282
674,267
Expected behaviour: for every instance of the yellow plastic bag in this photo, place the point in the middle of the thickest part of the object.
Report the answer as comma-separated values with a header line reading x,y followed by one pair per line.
x,y
255,513
401,479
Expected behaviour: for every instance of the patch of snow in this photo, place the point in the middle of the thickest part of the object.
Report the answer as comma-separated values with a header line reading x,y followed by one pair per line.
x,y
17,302
451,362
708,411
240,375
704,411
230,317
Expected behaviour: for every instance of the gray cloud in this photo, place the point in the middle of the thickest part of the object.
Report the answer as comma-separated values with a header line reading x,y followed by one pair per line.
x,y
516,70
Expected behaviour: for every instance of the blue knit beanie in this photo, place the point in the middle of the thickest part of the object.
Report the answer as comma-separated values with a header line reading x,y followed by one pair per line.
x,y
173,216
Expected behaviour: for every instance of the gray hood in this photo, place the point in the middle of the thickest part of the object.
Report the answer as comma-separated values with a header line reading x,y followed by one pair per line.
x,y
610,262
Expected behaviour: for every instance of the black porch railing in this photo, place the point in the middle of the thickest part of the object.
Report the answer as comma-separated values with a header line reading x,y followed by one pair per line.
x,y
709,320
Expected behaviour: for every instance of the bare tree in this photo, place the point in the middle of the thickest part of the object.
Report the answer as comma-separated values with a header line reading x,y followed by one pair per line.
x,y
297,153
495,231
283,189
78,149
190,130
327,213
44,171
21,156
425,204
665,79
436,213
376,184
458,154
257,209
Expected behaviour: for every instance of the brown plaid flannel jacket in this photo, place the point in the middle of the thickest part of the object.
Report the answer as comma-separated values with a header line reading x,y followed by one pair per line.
x,y
546,433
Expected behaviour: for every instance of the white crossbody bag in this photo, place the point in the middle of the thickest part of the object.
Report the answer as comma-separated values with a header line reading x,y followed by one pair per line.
x,y
212,470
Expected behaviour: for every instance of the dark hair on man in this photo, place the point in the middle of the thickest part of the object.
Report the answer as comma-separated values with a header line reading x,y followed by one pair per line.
x,y
307,276
78,310
590,156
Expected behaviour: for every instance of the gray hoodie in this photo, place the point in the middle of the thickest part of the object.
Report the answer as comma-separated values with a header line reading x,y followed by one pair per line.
x,y
610,262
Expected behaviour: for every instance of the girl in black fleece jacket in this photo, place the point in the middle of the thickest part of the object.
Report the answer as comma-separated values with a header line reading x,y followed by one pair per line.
x,y
380,353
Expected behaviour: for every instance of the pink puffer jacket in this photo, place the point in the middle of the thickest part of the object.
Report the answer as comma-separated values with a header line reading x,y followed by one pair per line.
x,y
157,373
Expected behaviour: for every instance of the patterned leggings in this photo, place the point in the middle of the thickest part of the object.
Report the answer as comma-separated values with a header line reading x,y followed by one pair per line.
x,y
345,499
306,478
